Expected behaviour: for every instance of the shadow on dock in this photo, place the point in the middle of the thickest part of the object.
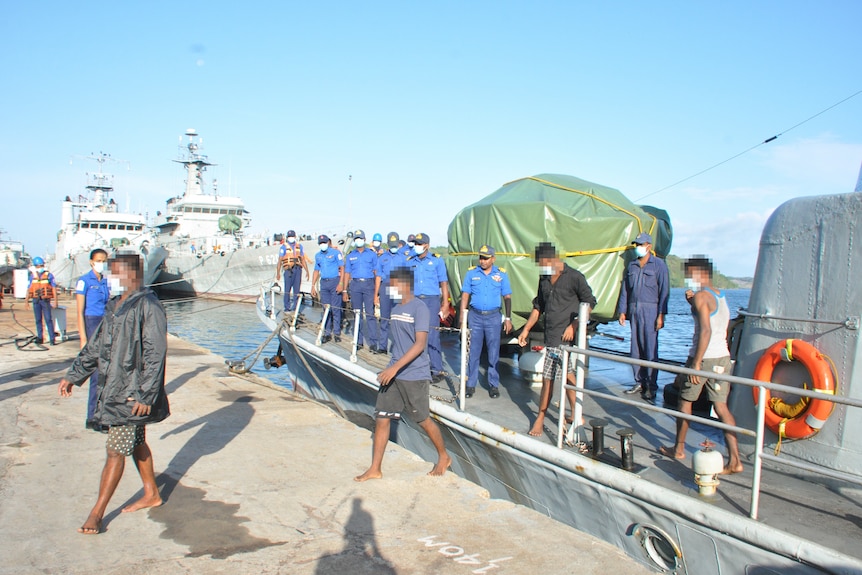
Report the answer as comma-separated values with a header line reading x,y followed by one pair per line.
x,y
360,555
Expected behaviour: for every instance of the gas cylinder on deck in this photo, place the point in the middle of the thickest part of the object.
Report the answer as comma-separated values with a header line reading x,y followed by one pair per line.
x,y
707,464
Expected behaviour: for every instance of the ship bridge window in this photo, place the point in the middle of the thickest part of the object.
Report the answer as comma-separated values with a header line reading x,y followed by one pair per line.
x,y
112,226
223,211
197,210
138,227
103,226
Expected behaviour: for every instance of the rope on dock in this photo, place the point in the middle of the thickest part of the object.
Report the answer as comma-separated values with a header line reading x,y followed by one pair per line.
x,y
21,343
240,365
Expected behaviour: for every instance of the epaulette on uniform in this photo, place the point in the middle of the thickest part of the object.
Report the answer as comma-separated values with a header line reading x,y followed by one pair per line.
x,y
436,255
502,269
471,268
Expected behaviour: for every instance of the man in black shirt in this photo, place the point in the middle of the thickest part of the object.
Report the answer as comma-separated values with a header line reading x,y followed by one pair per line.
x,y
561,291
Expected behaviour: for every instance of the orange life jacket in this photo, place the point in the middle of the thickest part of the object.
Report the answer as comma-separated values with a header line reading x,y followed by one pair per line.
x,y
40,287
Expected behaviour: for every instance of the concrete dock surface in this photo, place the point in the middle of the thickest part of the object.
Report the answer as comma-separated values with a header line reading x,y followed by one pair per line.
x,y
254,480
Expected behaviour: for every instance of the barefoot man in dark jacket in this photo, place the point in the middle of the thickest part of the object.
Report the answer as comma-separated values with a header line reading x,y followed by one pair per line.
x,y
129,349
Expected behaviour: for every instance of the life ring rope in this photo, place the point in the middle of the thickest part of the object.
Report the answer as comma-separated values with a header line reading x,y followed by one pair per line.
x,y
806,417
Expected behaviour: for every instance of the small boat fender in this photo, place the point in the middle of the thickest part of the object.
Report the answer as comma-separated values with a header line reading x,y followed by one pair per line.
x,y
806,417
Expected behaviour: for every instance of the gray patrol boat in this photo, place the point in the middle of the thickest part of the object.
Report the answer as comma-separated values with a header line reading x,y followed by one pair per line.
x,y
797,506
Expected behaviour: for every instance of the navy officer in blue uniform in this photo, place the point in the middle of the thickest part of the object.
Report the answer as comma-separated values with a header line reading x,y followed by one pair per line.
x,y
431,286
390,259
91,295
643,301
329,268
484,289
359,279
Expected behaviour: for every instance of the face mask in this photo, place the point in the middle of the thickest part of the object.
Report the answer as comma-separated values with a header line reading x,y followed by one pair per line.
x,y
546,270
393,250
410,244
324,247
291,240
375,244
40,270
100,267
691,284
640,251
115,287
393,293
359,243
419,249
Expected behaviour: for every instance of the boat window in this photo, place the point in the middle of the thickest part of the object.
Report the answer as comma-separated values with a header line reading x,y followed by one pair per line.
x,y
103,226
112,226
223,211
197,210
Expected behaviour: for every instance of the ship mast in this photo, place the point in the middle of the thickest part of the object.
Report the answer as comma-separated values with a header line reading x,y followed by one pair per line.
x,y
195,162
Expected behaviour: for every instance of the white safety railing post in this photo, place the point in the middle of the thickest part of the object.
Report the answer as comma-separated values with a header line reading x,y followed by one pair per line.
x,y
580,373
462,392
272,312
355,334
296,312
564,368
758,452
322,324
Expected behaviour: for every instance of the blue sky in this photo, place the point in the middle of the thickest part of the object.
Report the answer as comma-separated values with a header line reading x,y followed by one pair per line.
x,y
431,106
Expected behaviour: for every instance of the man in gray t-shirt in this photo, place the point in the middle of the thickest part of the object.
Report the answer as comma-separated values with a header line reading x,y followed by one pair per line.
x,y
404,383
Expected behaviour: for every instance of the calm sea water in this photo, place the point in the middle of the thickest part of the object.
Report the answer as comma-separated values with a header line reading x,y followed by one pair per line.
x,y
675,338
233,330
230,330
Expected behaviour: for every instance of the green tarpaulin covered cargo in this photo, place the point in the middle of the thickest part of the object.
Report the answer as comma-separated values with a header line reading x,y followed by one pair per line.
x,y
590,224
230,223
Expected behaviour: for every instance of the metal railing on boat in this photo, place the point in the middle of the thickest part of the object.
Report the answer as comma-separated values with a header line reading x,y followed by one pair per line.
x,y
580,352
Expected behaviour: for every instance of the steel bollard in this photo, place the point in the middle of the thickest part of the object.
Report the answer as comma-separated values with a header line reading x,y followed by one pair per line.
x,y
627,452
598,426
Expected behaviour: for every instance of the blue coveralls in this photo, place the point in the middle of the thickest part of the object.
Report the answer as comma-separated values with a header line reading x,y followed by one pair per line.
x,y
485,320
293,275
96,294
361,264
428,271
643,297
329,263
42,307
385,264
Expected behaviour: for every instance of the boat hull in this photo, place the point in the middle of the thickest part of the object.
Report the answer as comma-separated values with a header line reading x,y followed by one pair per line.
x,y
235,275
593,497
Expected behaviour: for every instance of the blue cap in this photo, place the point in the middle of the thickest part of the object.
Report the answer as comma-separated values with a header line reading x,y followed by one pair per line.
x,y
486,251
421,239
392,238
291,233
322,239
37,261
359,234
643,238
377,238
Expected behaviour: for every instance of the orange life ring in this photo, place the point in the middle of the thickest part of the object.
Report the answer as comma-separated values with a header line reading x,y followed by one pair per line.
x,y
812,419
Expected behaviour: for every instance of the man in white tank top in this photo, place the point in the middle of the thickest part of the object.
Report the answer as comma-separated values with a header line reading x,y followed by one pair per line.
x,y
708,352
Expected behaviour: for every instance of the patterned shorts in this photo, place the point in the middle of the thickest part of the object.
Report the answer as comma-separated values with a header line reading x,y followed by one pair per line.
x,y
123,439
554,362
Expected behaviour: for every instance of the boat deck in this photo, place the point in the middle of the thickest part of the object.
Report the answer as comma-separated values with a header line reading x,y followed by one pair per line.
x,y
820,509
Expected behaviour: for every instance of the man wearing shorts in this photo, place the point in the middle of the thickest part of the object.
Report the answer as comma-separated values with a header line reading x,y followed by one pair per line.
x,y
708,352
405,382
128,348
561,291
